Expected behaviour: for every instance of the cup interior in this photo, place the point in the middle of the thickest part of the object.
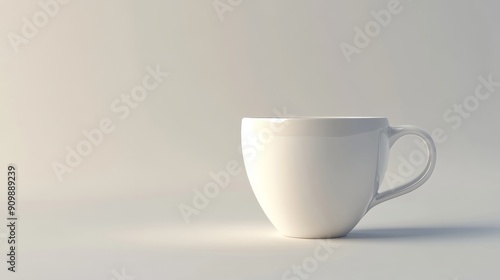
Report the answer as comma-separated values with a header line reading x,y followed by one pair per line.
x,y
313,126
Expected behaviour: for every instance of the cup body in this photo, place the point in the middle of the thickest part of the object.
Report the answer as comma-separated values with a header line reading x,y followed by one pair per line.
x,y
315,177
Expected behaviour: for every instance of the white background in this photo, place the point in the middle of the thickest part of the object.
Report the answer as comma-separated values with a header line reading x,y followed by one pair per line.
x,y
118,210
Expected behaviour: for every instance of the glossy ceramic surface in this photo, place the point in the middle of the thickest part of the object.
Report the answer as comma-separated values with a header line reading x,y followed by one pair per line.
x,y
317,177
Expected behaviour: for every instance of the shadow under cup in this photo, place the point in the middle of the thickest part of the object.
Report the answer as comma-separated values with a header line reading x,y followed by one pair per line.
x,y
315,177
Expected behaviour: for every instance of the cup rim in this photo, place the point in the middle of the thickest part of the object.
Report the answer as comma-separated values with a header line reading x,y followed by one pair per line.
x,y
319,117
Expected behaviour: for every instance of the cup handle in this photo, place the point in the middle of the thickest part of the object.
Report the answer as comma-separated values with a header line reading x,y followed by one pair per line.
x,y
394,134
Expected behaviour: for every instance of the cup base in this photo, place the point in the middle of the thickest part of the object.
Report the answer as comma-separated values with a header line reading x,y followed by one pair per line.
x,y
317,237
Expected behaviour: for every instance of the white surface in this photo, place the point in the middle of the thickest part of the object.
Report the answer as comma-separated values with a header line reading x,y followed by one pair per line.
x,y
448,229
119,207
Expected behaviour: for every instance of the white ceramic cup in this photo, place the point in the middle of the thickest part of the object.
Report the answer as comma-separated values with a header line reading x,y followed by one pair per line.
x,y
316,177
